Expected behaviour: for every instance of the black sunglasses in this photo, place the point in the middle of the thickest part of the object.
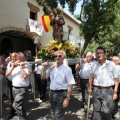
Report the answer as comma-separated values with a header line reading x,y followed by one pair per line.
x,y
58,56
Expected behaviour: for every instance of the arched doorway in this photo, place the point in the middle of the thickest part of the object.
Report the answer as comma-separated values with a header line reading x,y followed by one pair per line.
x,y
15,41
6,46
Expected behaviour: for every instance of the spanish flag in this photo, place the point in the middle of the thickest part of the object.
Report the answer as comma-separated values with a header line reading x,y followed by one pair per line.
x,y
46,19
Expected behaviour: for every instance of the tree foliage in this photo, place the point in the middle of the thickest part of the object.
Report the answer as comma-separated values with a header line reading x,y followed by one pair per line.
x,y
49,5
98,18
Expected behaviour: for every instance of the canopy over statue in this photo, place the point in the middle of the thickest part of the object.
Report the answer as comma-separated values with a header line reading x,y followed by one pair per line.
x,y
57,23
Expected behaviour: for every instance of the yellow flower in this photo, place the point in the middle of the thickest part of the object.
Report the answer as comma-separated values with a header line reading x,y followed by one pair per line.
x,y
59,46
47,48
52,41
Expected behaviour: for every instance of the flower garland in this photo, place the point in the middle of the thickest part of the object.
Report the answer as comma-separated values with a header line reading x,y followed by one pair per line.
x,y
47,53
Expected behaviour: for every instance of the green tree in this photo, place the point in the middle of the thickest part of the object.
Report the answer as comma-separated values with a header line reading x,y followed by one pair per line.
x,y
97,16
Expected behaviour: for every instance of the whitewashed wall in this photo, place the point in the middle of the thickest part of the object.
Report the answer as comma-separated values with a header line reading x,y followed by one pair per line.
x,y
15,13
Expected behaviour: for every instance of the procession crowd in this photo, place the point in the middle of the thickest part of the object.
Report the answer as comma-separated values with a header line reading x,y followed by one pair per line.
x,y
99,78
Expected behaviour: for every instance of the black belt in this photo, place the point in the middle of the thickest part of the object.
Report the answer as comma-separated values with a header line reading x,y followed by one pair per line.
x,y
101,87
19,87
58,91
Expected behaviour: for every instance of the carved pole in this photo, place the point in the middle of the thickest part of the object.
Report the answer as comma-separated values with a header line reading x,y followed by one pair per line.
x,y
89,96
1,91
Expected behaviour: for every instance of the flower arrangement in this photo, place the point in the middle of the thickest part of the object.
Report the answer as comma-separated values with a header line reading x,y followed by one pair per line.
x,y
47,53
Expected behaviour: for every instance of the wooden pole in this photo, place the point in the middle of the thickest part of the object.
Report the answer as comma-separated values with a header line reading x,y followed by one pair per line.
x,y
89,96
1,91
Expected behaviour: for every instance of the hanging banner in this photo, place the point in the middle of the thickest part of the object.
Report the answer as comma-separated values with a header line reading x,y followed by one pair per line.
x,y
36,27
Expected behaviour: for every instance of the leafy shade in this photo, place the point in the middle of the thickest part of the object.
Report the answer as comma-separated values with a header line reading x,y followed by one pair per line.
x,y
49,5
47,53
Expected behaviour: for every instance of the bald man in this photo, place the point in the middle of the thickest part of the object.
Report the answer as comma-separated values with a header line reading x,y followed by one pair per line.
x,y
85,68
115,60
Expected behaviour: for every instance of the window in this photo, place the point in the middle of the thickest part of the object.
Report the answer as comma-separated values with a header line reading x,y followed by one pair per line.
x,y
33,11
33,15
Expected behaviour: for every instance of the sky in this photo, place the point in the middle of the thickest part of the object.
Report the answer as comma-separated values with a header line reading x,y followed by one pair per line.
x,y
77,10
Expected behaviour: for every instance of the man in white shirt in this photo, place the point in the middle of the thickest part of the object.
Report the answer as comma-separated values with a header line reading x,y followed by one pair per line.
x,y
41,77
115,60
105,76
20,81
13,57
85,68
61,83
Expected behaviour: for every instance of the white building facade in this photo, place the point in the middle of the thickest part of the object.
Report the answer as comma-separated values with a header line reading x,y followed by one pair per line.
x,y
14,28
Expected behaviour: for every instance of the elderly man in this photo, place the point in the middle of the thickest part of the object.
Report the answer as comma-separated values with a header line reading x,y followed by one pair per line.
x,y
105,76
115,60
20,81
85,68
61,83
13,58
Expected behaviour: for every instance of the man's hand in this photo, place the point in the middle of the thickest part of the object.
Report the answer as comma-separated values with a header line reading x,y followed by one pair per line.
x,y
115,95
66,102
89,90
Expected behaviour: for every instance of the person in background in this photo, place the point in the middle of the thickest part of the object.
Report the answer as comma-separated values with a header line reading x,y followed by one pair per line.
x,y
33,81
77,73
44,79
38,70
85,68
105,76
20,81
115,60
4,79
61,83
13,58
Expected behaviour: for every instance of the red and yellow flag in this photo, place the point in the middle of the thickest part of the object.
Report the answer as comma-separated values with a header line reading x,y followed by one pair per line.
x,y
46,19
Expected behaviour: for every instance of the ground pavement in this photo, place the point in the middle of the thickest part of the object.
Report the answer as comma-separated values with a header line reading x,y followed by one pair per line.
x,y
42,111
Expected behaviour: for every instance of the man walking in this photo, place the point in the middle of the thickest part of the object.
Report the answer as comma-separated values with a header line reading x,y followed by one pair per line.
x,y
13,58
104,78
61,83
20,81
115,60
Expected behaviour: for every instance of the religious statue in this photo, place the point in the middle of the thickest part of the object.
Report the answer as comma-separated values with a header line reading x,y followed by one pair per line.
x,y
57,23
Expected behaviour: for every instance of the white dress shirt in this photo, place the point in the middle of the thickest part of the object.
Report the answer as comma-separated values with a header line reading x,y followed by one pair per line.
x,y
61,77
85,70
104,75
17,79
39,69
8,68
118,71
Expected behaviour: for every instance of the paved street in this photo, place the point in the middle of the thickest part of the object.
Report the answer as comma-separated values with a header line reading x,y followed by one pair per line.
x,y
42,111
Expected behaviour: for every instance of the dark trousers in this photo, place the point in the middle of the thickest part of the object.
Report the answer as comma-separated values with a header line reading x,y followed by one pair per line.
x,y
42,86
18,103
12,110
43,89
84,87
102,103
115,109
56,101
38,80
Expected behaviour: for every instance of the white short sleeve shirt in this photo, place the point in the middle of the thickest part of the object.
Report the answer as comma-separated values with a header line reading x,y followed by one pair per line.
x,y
61,77
39,69
17,79
104,75
85,70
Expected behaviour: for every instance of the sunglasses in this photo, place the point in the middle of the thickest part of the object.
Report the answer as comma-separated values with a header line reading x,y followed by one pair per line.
x,y
58,56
